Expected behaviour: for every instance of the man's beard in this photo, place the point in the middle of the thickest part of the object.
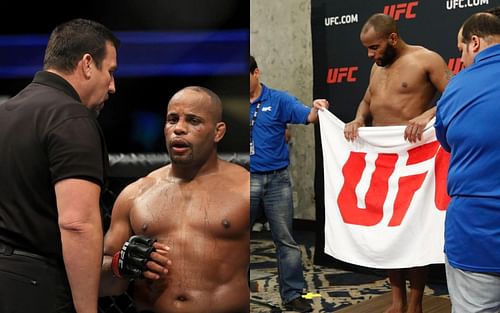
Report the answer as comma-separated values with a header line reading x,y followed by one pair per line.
x,y
181,160
388,56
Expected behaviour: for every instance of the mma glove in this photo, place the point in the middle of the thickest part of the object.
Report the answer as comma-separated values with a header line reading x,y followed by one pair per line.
x,y
130,261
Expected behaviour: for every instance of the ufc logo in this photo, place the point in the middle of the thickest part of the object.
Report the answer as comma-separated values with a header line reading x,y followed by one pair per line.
x,y
401,9
377,191
339,74
455,65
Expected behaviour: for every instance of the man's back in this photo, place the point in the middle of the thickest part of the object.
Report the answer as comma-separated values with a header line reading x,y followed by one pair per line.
x,y
38,150
205,223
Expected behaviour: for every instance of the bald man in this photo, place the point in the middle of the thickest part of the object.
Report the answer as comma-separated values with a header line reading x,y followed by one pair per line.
x,y
404,79
198,208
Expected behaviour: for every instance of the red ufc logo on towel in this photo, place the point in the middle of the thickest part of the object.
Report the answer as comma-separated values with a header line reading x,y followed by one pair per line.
x,y
339,74
401,9
455,65
377,191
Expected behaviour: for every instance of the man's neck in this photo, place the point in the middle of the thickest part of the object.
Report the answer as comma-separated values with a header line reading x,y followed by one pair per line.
x,y
189,172
256,93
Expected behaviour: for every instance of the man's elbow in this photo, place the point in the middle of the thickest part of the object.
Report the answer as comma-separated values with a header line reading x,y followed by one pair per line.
x,y
78,225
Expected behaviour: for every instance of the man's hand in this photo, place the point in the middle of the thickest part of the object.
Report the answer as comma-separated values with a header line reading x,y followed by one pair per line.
x,y
318,105
415,128
140,257
351,130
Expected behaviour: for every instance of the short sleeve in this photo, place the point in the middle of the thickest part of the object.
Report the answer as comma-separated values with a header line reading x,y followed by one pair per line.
x,y
296,111
75,151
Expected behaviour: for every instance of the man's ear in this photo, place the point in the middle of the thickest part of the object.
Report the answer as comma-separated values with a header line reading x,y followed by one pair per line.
x,y
393,39
86,63
220,131
475,43
256,72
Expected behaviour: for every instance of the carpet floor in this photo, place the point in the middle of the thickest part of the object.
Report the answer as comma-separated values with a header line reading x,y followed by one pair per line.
x,y
330,289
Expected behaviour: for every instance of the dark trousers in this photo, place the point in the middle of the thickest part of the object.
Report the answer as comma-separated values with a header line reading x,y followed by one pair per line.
x,y
29,285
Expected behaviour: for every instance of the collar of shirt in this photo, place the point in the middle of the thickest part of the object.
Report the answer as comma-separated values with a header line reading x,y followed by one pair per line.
x,y
263,95
56,81
487,53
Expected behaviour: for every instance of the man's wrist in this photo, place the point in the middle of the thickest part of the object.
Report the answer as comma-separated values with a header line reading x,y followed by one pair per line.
x,y
115,265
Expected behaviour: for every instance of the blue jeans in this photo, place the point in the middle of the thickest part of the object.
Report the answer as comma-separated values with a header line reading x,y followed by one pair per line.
x,y
271,194
473,292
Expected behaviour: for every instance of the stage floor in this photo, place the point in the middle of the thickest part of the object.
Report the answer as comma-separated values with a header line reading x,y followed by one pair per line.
x,y
378,304
334,290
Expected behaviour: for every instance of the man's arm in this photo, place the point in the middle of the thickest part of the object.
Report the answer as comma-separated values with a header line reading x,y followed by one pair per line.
x,y
439,75
362,113
318,104
82,239
119,232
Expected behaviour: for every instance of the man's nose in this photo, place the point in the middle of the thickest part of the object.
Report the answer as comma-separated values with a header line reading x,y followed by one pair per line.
x,y
112,87
180,127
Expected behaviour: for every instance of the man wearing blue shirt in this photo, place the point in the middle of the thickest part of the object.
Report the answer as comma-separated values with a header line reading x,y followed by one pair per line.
x,y
270,189
467,126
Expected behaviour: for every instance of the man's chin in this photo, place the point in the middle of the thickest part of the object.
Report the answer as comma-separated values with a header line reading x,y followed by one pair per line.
x,y
382,63
181,159
97,109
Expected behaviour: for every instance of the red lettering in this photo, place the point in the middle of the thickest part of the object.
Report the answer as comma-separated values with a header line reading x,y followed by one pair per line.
x,y
350,77
377,191
455,65
441,197
343,71
408,185
376,194
401,9
331,77
337,75
409,14
389,10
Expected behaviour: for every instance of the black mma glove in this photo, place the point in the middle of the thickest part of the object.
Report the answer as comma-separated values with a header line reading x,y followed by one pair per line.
x,y
130,262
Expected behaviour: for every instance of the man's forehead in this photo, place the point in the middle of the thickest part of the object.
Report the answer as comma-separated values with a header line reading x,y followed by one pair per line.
x,y
370,37
188,95
187,107
459,35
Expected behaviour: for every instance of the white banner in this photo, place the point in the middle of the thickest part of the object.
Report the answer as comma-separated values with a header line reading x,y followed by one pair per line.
x,y
385,198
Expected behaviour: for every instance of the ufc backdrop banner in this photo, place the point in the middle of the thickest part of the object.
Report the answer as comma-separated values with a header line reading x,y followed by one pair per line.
x,y
341,66
385,198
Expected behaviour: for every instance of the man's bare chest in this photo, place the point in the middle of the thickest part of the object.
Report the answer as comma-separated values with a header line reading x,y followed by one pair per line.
x,y
185,209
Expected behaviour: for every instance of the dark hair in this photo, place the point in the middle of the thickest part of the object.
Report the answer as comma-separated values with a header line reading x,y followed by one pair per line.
x,y
495,11
481,24
71,40
253,64
383,24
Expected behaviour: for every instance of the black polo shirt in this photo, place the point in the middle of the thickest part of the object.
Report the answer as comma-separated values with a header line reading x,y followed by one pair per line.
x,y
46,135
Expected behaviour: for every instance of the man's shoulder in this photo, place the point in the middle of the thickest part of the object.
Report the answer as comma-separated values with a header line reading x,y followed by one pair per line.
x,y
234,173
279,94
231,167
150,179
423,54
159,172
